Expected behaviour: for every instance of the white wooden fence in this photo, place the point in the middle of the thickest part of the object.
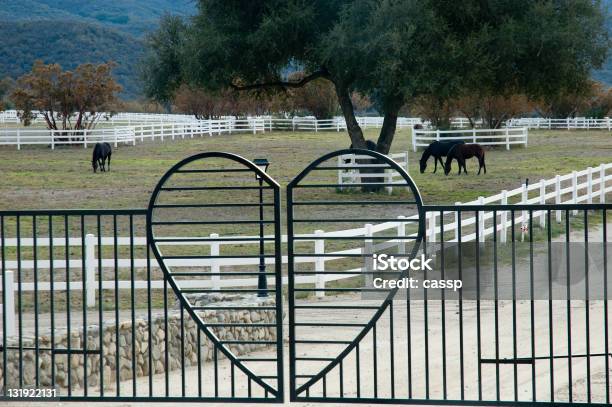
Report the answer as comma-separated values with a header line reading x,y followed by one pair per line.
x,y
585,186
487,137
570,123
352,174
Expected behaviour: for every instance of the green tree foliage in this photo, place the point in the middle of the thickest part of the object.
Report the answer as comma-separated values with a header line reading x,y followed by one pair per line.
x,y
392,50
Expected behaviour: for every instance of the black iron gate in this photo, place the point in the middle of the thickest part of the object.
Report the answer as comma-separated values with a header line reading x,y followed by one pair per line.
x,y
527,324
89,314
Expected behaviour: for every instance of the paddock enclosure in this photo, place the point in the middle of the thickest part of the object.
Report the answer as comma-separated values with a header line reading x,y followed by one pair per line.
x,y
190,299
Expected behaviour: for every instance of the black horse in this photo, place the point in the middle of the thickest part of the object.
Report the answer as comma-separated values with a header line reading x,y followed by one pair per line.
x,y
101,153
461,153
438,149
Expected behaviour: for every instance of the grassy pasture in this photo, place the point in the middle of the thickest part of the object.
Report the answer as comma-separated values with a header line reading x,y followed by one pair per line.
x,y
36,178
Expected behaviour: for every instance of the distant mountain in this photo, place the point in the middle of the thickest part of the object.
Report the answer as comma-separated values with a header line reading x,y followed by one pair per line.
x,y
70,43
71,32
132,16
605,73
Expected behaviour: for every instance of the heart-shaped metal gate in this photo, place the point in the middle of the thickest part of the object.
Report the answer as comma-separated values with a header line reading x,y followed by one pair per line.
x,y
342,209
213,224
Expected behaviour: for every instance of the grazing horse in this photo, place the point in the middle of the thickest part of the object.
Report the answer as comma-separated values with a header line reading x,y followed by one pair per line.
x,y
101,153
462,152
438,149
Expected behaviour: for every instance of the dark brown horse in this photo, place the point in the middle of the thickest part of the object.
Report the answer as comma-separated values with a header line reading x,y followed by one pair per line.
x,y
462,152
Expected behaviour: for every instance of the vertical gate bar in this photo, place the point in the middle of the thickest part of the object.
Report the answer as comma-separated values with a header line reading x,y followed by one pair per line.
x,y
278,318
133,304
392,353
116,277
426,322
409,342
514,344
35,259
341,378
551,361
375,369
19,301
100,305
478,345
531,302
51,297
233,385
4,307
182,316
586,301
443,306
568,305
605,276
249,391
150,327
199,338
84,304
496,306
216,357
290,297
325,386
68,324
460,266
166,361
357,370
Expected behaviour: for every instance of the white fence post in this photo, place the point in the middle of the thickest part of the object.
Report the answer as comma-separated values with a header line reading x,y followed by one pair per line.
x,y
481,221
18,140
319,248
52,141
504,218
474,136
90,270
389,180
432,227
589,185
457,222
438,135
414,144
574,190
214,265
602,182
85,138
8,308
401,235
542,201
507,139
558,197
368,252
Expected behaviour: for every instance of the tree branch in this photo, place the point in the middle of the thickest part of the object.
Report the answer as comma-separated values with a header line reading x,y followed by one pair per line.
x,y
282,84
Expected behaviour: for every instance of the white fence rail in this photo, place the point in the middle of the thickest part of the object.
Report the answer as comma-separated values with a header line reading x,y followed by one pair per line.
x,y
487,137
352,174
573,123
585,186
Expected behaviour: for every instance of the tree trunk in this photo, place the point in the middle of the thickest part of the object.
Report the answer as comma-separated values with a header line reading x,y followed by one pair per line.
x,y
387,131
354,131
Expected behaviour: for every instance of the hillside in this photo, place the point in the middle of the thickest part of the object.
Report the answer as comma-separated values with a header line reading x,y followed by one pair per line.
x,y
69,43
131,16
71,32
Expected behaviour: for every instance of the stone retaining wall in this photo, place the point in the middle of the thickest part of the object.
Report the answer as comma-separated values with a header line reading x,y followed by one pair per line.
x,y
141,347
